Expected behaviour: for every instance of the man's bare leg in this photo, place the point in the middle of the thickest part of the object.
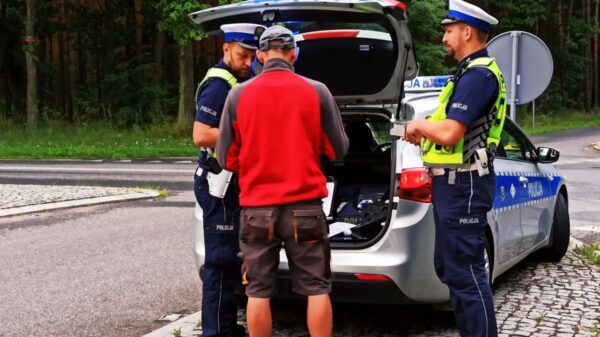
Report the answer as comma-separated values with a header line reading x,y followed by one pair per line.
x,y
258,317
319,316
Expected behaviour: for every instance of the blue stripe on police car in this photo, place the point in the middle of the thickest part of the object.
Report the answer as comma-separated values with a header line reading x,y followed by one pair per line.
x,y
511,194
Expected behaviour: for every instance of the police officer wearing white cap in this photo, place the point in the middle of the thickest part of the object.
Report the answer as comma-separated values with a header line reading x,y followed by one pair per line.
x,y
220,273
458,143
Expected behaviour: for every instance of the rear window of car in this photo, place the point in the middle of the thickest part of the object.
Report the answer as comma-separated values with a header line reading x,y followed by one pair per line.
x,y
351,58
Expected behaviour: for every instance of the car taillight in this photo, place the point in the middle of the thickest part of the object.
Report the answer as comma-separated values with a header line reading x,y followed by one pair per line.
x,y
415,185
372,277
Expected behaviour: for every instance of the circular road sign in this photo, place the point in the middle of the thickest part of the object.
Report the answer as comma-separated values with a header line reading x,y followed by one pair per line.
x,y
529,57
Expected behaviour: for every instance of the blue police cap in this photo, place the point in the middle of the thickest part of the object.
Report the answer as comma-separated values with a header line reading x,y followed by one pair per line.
x,y
245,34
461,11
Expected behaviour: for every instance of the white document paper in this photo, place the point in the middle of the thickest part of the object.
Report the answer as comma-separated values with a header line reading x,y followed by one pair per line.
x,y
339,227
218,183
328,199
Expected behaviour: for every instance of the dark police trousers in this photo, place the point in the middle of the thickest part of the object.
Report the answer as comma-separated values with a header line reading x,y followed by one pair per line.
x,y
221,272
460,221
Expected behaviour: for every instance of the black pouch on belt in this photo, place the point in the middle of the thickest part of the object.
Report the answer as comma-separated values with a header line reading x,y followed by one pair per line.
x,y
213,165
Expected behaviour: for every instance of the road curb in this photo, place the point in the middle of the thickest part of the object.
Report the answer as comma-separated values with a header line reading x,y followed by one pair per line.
x,y
133,195
578,243
187,325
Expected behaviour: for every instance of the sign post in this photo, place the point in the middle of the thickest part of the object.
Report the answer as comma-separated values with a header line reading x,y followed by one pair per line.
x,y
526,63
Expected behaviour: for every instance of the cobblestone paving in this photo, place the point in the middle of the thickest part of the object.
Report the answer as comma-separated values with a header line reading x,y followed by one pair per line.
x,y
551,300
533,299
28,195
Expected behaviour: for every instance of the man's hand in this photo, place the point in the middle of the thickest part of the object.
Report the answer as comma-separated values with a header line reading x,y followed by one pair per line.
x,y
413,135
446,133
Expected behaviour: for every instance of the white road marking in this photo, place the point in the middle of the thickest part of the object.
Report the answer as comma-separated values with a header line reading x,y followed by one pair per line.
x,y
89,169
588,229
578,161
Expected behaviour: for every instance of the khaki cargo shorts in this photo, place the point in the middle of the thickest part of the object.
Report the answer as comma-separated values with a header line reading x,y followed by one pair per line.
x,y
299,228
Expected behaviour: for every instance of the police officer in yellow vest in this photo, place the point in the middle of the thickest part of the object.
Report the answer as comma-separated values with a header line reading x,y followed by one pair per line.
x,y
458,143
220,273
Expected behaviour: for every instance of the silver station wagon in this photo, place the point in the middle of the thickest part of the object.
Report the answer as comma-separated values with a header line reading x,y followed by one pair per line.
x,y
379,207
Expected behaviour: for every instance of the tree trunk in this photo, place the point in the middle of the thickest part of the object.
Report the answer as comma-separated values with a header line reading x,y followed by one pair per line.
x,y
65,62
596,56
54,59
561,28
77,73
542,26
109,30
159,53
186,88
2,39
31,63
3,77
570,13
78,77
109,44
138,27
588,54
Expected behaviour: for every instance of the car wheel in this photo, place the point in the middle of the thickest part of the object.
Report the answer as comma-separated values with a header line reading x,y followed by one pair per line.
x,y
559,233
488,256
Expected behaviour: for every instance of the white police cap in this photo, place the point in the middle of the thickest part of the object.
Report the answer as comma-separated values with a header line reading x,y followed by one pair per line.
x,y
245,34
461,11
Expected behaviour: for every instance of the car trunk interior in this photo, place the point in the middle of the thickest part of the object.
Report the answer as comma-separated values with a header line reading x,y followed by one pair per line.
x,y
362,179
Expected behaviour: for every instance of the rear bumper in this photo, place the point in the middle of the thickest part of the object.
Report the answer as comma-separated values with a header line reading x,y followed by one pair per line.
x,y
404,255
347,288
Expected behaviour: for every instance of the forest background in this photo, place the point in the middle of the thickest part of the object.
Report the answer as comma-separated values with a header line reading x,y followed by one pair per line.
x,y
134,65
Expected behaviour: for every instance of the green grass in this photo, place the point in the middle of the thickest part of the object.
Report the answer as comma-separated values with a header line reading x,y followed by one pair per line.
x,y
541,317
94,142
162,192
589,252
59,141
559,121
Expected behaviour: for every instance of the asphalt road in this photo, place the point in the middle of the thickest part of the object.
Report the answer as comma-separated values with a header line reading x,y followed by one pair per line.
x,y
113,270
110,270
174,174
580,164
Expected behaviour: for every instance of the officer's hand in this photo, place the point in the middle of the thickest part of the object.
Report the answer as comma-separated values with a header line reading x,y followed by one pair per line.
x,y
413,135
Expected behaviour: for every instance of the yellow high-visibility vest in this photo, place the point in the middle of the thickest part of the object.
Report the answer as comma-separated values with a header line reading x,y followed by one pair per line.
x,y
435,155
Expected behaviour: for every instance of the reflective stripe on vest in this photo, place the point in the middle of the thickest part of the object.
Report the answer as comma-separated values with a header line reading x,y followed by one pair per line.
x,y
485,133
226,76
223,74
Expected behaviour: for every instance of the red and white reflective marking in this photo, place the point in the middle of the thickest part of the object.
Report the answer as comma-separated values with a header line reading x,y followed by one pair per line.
x,y
343,34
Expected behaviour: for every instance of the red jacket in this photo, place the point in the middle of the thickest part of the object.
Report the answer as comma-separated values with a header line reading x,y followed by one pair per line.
x,y
273,132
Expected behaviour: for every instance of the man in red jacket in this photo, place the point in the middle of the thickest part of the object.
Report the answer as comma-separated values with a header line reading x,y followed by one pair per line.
x,y
274,130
